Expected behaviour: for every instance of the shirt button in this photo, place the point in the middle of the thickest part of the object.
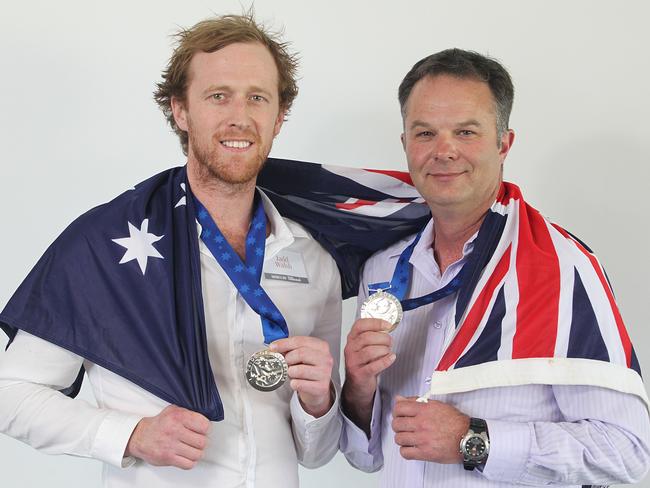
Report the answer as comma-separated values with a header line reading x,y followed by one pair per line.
x,y
437,324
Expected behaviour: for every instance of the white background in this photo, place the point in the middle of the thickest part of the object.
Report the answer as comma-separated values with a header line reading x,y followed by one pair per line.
x,y
78,126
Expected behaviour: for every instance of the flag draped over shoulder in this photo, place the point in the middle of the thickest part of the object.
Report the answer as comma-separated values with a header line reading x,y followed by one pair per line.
x,y
352,212
121,286
537,310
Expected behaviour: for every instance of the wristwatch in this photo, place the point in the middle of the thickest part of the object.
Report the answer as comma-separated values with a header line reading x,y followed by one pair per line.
x,y
475,445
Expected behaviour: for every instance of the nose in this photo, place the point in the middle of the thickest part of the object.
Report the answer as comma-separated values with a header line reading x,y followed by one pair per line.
x,y
238,115
444,148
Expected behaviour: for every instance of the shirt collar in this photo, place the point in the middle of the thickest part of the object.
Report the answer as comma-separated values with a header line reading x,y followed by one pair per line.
x,y
283,232
422,258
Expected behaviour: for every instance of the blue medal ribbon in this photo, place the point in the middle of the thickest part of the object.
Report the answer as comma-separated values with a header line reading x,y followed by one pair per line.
x,y
246,276
401,279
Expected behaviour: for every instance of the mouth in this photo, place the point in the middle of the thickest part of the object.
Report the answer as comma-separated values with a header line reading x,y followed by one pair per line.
x,y
447,176
236,145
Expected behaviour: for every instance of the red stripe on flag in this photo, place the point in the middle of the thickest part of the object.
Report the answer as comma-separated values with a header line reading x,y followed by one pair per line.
x,y
399,175
475,315
357,204
507,192
622,331
538,276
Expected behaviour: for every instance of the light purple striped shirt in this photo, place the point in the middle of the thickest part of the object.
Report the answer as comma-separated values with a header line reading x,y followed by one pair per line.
x,y
540,435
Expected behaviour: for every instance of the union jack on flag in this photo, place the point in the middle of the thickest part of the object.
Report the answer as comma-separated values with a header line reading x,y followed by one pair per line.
x,y
538,310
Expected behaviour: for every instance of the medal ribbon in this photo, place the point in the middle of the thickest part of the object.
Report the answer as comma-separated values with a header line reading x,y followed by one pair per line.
x,y
402,277
245,276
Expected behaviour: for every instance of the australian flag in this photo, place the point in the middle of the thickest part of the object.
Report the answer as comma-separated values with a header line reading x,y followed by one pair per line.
x,y
121,286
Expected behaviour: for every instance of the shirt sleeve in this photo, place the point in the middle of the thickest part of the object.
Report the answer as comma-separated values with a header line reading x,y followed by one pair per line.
x,y
317,439
363,453
33,411
603,438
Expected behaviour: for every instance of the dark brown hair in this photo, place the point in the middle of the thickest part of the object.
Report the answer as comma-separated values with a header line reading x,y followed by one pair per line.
x,y
465,64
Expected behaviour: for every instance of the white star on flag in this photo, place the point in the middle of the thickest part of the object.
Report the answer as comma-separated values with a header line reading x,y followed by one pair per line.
x,y
182,200
139,245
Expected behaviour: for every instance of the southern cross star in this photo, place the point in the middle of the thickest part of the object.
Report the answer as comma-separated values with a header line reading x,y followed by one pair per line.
x,y
139,245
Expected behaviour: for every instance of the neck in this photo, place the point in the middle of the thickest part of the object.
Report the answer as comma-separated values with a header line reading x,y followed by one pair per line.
x,y
451,233
229,205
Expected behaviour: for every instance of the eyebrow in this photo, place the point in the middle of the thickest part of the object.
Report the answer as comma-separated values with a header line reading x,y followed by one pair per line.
x,y
469,122
226,88
418,123
466,123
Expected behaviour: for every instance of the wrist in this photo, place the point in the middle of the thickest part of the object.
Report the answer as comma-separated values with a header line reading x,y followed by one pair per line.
x,y
317,407
133,446
475,444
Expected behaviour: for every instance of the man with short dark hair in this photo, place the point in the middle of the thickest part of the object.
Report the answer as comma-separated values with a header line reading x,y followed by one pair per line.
x,y
502,323
189,282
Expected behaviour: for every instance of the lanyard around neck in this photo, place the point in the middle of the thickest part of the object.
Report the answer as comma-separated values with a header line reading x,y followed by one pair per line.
x,y
401,279
246,276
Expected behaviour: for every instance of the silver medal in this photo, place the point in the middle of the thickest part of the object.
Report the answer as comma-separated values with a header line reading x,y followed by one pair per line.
x,y
266,370
382,305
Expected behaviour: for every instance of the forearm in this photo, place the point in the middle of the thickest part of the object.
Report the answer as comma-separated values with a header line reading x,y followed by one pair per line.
x,y
316,439
34,412
55,424
357,405
363,450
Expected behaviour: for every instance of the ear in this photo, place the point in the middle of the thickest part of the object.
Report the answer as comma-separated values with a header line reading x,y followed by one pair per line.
x,y
279,121
403,139
507,139
180,113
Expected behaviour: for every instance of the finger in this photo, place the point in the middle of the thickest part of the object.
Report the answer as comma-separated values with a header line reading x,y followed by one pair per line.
x,y
182,462
410,452
188,452
311,357
310,387
403,424
368,339
191,438
407,407
196,422
405,439
365,325
290,343
375,367
367,355
310,373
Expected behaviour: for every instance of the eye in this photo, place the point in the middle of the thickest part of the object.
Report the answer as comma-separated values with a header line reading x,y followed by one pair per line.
x,y
466,132
258,98
217,96
424,133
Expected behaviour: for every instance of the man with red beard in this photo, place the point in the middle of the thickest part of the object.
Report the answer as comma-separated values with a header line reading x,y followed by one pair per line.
x,y
204,247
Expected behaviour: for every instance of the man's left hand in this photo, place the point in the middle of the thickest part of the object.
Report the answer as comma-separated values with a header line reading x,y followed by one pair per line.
x,y
428,431
310,370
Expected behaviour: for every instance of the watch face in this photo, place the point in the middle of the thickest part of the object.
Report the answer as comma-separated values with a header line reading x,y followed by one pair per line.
x,y
474,448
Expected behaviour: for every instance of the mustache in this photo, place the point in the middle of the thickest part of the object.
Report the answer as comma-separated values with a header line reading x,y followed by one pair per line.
x,y
236,134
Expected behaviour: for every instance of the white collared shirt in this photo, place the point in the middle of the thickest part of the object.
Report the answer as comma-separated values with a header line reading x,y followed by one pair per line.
x,y
263,435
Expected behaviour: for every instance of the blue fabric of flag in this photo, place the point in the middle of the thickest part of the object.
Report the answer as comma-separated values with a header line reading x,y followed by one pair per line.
x,y
146,327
